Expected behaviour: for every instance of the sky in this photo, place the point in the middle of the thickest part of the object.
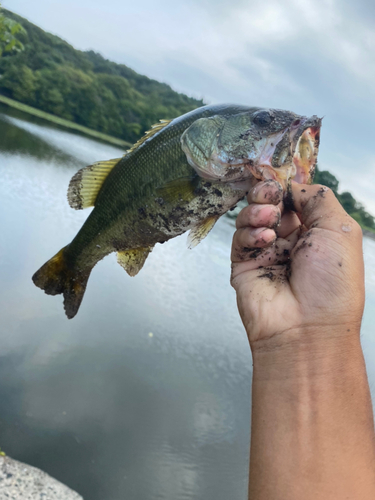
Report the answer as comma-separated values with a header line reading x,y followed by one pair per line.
x,y
310,57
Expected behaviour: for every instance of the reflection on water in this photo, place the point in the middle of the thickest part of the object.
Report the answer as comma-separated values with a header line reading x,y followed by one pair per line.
x,y
146,393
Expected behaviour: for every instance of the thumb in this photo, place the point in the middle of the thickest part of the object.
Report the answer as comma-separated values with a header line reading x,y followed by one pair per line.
x,y
318,207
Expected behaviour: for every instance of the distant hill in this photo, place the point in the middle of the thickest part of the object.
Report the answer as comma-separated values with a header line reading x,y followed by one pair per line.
x,y
84,87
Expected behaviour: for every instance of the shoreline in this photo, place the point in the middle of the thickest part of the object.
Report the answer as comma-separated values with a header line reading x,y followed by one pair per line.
x,y
62,122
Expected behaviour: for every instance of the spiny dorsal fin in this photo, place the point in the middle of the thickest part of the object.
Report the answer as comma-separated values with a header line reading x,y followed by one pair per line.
x,y
132,260
154,129
200,231
86,183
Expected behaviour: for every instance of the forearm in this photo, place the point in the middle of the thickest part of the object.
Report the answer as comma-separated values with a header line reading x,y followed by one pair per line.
x,y
312,431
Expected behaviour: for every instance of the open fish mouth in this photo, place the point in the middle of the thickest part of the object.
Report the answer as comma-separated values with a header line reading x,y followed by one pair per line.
x,y
292,156
305,155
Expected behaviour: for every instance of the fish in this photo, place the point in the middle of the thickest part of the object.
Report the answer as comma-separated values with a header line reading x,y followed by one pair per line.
x,y
183,175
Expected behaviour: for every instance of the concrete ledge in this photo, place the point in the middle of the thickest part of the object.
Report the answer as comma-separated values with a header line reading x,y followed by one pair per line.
x,y
19,481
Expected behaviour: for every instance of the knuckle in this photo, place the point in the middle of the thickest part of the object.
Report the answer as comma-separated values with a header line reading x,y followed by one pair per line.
x,y
324,190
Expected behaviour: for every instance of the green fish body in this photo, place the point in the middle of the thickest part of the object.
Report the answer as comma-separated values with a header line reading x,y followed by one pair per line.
x,y
183,175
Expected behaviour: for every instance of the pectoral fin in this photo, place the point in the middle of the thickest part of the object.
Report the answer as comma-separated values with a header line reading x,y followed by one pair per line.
x,y
179,190
133,260
200,231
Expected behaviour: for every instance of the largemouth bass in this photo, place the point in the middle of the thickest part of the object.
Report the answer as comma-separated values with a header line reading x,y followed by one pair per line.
x,y
183,175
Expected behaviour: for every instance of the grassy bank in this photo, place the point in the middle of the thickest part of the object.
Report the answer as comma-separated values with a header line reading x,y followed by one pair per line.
x,y
62,122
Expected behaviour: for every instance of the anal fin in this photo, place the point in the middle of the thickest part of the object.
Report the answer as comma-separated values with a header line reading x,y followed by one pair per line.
x,y
133,260
201,230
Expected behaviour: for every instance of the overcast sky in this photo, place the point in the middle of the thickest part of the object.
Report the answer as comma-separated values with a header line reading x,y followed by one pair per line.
x,y
312,57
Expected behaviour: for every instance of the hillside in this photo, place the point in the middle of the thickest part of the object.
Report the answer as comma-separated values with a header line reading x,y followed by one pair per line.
x,y
85,88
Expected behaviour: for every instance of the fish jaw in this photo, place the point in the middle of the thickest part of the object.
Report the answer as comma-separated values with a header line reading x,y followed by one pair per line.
x,y
299,163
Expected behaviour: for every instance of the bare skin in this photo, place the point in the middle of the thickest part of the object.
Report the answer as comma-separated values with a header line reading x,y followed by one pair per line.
x,y
299,280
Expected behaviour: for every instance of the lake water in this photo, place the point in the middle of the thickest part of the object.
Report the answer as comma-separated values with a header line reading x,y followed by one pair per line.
x,y
146,393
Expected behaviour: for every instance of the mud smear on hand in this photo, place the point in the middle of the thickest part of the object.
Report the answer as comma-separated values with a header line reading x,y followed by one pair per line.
x,y
288,199
274,275
252,253
272,196
268,274
277,222
304,243
322,191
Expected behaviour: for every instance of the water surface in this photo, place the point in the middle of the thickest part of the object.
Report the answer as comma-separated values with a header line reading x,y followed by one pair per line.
x,y
146,393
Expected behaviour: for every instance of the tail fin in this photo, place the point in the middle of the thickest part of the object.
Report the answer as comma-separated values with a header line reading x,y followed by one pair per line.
x,y
55,277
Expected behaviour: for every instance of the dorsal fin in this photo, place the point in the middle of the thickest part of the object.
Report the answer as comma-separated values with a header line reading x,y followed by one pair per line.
x,y
86,183
154,129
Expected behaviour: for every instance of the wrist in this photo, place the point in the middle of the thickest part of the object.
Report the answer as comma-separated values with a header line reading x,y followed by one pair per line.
x,y
312,421
308,352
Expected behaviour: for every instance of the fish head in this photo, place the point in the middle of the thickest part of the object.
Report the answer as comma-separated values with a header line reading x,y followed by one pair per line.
x,y
260,143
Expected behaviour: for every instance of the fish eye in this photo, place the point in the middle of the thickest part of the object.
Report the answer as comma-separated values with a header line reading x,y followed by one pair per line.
x,y
262,118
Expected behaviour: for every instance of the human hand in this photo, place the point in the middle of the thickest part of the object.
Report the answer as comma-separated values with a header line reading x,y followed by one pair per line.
x,y
297,273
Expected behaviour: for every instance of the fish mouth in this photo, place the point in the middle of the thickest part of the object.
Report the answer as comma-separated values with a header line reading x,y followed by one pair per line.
x,y
305,155
294,156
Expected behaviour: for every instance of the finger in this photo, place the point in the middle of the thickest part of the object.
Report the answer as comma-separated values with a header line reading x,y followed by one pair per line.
x,y
288,224
259,258
257,215
247,258
248,242
318,207
250,259
266,192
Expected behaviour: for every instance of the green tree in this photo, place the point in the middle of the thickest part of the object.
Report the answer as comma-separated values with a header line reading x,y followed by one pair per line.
x,y
9,31
19,83
348,201
327,179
